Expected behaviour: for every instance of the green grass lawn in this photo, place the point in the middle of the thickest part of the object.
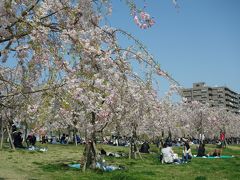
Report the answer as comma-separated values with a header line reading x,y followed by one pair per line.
x,y
22,164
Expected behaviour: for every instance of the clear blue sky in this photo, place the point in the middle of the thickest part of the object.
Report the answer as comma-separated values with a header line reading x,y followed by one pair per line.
x,y
198,42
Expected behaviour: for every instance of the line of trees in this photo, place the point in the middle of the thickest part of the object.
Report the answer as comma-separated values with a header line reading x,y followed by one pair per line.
x,y
61,69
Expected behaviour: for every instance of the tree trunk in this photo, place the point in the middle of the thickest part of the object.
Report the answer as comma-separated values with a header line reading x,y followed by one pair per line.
x,y
133,149
90,154
75,139
170,134
102,136
2,133
118,134
162,140
133,146
10,138
74,135
2,138
201,116
59,135
26,132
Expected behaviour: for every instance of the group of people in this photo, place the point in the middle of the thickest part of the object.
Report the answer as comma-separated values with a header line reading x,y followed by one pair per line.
x,y
18,140
168,155
31,139
65,139
215,153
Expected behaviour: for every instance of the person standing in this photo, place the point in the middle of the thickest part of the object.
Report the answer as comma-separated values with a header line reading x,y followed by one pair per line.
x,y
63,139
222,138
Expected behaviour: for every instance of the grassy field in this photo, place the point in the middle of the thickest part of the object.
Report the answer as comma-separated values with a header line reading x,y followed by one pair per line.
x,y
22,164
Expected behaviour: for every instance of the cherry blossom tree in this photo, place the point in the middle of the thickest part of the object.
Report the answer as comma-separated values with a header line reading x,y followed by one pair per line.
x,y
58,47
60,68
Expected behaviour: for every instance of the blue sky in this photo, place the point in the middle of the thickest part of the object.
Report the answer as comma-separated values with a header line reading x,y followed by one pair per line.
x,y
198,42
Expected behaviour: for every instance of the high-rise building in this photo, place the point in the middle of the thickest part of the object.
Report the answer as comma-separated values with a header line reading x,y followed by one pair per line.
x,y
215,96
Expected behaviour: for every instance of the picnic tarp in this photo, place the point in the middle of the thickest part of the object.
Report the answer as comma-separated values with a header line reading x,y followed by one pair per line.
x,y
215,157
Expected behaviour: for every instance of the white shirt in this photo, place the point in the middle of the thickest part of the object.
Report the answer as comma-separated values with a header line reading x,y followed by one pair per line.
x,y
167,154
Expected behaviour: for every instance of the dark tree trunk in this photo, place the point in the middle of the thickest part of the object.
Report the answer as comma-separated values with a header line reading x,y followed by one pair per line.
x,y
133,146
90,155
10,138
2,132
25,132
75,136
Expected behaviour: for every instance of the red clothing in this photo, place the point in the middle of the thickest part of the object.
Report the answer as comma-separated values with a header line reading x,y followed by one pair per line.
x,y
222,136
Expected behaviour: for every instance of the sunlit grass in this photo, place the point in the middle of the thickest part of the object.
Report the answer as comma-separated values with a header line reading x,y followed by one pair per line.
x,y
22,164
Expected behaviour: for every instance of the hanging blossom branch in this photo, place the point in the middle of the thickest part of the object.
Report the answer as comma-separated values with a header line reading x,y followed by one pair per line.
x,y
176,87
143,19
34,91
151,61
175,4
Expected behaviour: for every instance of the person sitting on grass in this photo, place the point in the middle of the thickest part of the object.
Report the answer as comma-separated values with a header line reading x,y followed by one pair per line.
x,y
103,152
168,156
144,148
187,154
17,140
201,150
215,153
31,139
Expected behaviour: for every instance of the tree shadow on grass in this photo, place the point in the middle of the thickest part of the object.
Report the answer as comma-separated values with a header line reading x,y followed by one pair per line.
x,y
53,167
37,163
149,173
57,167
122,176
131,163
200,178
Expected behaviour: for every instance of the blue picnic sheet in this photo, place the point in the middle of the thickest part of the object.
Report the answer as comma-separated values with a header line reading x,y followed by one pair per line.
x,y
106,168
216,157
75,166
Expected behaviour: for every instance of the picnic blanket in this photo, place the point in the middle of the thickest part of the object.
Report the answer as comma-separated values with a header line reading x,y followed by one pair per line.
x,y
107,168
215,157
35,148
74,166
